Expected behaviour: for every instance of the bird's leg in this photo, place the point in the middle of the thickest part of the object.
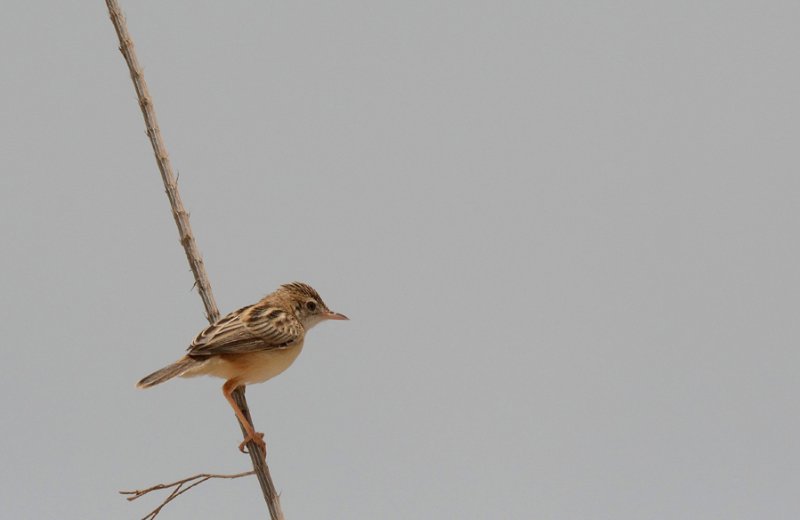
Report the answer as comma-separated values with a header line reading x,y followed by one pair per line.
x,y
252,435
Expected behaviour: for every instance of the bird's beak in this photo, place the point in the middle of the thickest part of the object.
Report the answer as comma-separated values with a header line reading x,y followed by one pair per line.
x,y
330,315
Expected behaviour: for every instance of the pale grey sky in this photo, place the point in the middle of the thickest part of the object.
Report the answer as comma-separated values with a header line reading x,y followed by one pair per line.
x,y
565,233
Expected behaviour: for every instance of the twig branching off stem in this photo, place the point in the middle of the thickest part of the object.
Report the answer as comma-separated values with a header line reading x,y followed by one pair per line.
x,y
179,489
186,237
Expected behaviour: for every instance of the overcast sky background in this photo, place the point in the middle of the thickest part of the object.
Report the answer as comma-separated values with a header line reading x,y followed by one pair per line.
x,y
566,234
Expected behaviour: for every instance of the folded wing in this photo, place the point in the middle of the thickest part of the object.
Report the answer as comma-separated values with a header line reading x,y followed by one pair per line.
x,y
249,329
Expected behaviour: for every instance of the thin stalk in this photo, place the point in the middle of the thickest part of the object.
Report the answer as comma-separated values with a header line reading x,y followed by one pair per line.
x,y
185,232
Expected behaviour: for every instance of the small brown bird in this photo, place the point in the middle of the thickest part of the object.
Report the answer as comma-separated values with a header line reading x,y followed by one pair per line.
x,y
251,345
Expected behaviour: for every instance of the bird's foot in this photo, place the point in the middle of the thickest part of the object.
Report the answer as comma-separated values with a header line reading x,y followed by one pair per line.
x,y
258,438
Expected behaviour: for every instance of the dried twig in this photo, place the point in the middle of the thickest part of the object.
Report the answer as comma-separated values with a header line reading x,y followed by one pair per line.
x,y
179,489
186,237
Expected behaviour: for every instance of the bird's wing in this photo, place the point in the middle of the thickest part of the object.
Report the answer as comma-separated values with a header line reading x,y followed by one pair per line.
x,y
249,329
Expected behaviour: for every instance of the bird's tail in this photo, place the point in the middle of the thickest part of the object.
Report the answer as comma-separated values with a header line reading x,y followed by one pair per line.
x,y
168,372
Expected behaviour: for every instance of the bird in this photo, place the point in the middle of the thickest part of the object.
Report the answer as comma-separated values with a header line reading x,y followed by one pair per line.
x,y
251,345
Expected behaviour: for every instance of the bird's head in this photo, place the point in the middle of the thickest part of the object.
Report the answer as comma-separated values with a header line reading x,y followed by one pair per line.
x,y
307,304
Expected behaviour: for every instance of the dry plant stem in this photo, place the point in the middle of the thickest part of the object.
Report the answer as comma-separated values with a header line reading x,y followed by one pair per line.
x,y
179,489
185,232
162,158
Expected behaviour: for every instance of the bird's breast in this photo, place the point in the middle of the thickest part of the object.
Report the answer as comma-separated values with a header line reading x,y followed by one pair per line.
x,y
254,367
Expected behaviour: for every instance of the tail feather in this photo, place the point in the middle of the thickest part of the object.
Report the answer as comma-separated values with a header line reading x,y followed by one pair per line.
x,y
168,372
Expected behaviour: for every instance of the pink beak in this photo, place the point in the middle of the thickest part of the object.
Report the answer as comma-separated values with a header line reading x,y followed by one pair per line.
x,y
335,316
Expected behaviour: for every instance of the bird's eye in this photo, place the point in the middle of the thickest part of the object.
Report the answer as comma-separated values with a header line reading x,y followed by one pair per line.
x,y
311,305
